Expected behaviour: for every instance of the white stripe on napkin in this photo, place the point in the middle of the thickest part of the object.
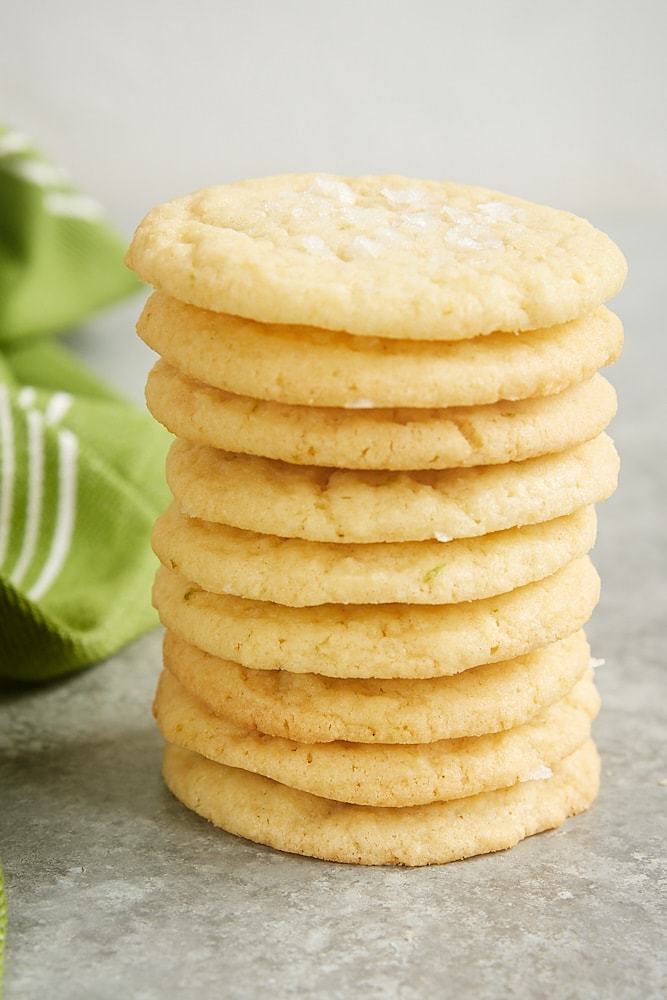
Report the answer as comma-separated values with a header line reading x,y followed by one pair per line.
x,y
56,408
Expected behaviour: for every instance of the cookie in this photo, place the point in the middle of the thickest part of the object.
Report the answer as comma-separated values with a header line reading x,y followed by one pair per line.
x,y
310,708
380,256
339,505
312,367
298,573
383,774
403,439
375,572
268,812
384,641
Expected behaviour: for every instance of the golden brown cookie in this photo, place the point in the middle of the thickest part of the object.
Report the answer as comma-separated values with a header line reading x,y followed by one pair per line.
x,y
267,812
395,640
298,573
381,255
312,708
312,367
457,437
339,505
381,774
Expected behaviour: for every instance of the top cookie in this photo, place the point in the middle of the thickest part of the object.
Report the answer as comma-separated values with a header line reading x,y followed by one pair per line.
x,y
378,256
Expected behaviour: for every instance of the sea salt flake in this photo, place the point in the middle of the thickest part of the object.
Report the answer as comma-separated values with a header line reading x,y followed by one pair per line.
x,y
497,210
334,189
392,237
362,246
316,246
419,220
405,196
314,205
460,240
455,214
366,219
540,774
472,235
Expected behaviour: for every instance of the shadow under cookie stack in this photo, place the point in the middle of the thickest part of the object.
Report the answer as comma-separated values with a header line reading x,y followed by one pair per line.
x,y
390,439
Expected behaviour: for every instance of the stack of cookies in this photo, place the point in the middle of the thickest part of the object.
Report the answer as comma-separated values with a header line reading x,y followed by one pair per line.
x,y
389,429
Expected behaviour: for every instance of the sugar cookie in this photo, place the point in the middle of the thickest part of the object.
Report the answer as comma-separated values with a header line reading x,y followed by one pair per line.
x,y
310,367
311,708
407,439
298,573
395,640
381,256
267,812
383,774
339,505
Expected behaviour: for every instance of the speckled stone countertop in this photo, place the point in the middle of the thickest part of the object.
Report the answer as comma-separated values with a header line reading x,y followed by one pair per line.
x,y
115,890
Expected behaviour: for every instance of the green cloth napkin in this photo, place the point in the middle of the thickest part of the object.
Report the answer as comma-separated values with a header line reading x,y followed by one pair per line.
x,y
81,469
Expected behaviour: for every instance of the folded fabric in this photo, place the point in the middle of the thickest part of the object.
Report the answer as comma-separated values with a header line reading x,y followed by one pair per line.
x,y
80,489
81,468
59,258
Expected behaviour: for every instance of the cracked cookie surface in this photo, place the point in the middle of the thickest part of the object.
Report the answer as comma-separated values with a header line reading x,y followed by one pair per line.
x,y
341,505
377,255
397,439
